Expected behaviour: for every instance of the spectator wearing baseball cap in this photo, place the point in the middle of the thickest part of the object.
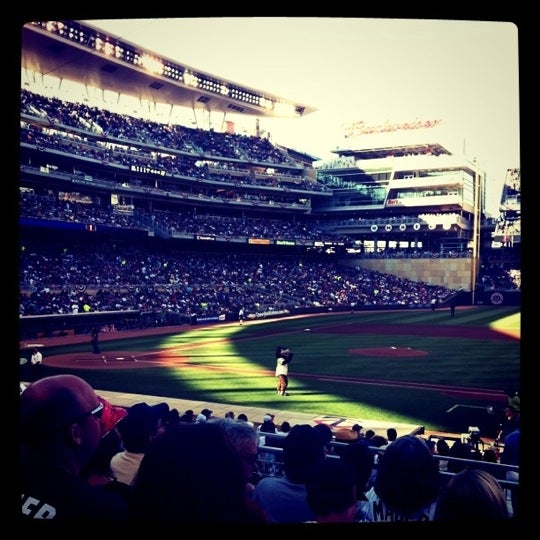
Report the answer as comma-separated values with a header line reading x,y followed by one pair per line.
x,y
138,429
60,432
98,471
268,459
110,416
207,413
268,425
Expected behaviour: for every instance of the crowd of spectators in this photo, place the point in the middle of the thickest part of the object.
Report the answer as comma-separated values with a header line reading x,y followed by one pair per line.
x,y
181,221
141,157
186,222
128,128
508,224
186,163
166,149
500,276
76,467
74,278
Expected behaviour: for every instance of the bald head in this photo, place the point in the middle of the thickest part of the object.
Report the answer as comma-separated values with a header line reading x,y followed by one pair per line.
x,y
53,402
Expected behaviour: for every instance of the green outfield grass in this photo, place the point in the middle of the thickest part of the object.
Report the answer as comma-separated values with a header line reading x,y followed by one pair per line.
x,y
234,364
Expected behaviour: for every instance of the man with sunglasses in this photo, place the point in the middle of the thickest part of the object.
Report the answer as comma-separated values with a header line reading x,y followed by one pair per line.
x,y
60,421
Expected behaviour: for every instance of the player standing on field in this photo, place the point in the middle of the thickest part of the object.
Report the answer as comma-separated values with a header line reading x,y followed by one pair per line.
x,y
283,357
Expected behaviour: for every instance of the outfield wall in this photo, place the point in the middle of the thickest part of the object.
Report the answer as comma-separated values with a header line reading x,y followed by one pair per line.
x,y
452,273
447,272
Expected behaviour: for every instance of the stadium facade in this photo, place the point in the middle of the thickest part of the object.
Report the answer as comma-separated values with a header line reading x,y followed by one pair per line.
x,y
404,195
395,199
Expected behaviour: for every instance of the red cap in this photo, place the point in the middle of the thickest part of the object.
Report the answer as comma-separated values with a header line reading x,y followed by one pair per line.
x,y
111,416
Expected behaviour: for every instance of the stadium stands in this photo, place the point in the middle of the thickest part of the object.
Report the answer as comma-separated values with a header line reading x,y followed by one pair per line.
x,y
158,224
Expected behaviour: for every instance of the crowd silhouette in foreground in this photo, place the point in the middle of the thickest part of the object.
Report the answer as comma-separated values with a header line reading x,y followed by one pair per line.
x,y
84,459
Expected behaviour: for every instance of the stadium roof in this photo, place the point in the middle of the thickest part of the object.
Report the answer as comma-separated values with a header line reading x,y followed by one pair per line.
x,y
79,52
435,149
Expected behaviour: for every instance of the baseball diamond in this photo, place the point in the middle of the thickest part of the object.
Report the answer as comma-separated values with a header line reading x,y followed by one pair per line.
x,y
193,251
186,357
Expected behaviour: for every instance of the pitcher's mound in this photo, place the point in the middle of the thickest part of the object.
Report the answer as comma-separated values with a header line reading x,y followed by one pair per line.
x,y
392,352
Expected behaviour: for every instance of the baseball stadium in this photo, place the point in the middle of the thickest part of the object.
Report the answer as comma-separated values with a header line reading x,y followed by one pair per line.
x,y
379,268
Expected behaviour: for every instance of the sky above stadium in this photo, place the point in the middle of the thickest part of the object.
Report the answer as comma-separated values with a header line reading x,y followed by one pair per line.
x,y
375,70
